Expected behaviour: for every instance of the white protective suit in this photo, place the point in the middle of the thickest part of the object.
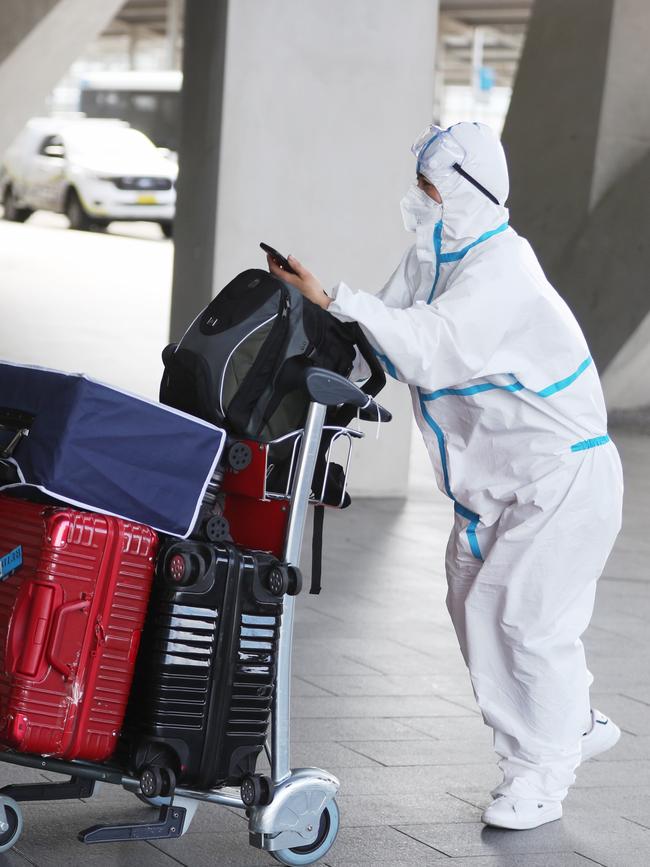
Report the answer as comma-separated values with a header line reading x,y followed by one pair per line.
x,y
512,413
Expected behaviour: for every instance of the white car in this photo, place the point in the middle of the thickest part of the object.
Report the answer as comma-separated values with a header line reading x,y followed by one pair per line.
x,y
94,171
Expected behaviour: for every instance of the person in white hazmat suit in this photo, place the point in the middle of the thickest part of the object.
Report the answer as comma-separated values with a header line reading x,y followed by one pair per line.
x,y
511,410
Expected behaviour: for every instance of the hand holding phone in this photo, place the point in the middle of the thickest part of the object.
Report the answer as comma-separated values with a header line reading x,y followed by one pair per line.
x,y
278,258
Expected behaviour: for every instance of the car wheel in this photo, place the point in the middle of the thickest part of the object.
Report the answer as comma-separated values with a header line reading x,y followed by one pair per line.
x,y
75,213
11,210
167,229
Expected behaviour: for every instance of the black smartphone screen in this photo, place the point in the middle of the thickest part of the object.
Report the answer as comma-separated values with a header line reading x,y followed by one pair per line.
x,y
278,258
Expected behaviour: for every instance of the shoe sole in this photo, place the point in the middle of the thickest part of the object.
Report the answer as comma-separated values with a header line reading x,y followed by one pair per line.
x,y
525,826
613,737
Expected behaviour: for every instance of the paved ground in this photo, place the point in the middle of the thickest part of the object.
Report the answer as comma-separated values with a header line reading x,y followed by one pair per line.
x,y
383,701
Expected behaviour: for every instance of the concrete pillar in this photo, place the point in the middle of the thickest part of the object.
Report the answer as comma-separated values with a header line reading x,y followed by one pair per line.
x,y
173,27
321,101
578,142
551,131
199,148
39,40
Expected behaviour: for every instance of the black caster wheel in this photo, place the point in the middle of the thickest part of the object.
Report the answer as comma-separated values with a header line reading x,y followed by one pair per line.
x,y
168,782
151,781
327,831
277,581
217,529
295,580
239,456
256,790
12,827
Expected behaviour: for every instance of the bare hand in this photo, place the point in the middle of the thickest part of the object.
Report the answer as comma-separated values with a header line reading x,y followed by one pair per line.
x,y
303,280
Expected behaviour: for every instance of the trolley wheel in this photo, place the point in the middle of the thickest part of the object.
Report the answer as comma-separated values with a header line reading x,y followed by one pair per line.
x,y
327,831
256,790
151,781
217,528
239,456
277,581
9,836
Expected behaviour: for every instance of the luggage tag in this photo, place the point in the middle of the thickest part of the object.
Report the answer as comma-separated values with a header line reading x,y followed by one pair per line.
x,y
10,562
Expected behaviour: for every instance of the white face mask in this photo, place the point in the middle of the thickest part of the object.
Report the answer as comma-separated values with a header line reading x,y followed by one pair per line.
x,y
419,210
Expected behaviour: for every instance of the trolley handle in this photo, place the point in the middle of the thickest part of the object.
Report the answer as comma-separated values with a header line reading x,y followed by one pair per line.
x,y
331,389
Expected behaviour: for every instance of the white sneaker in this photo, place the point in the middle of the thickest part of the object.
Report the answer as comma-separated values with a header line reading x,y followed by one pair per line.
x,y
521,814
602,735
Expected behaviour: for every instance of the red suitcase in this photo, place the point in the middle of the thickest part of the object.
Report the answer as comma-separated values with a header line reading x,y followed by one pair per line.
x,y
70,622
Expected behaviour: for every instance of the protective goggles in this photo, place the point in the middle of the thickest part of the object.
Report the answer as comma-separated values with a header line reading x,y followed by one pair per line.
x,y
440,158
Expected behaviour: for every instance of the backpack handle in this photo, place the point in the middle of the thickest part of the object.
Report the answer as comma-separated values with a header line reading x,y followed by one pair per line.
x,y
342,416
377,375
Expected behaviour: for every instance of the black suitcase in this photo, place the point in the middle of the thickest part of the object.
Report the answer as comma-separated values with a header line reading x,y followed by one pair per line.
x,y
206,668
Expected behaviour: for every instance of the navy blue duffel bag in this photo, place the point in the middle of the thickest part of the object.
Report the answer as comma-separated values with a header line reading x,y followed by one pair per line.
x,y
99,448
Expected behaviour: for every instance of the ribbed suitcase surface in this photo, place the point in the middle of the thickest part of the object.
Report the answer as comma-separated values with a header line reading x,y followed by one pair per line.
x,y
206,671
71,618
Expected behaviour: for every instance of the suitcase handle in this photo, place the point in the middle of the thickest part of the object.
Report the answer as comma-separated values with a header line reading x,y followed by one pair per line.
x,y
65,668
17,422
29,628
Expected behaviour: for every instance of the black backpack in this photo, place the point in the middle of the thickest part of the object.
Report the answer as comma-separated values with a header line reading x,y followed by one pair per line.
x,y
241,363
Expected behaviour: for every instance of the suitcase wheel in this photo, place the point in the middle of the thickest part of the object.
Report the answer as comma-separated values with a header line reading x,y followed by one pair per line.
x,y
256,790
295,580
11,824
181,568
156,781
327,831
239,456
284,579
277,581
217,529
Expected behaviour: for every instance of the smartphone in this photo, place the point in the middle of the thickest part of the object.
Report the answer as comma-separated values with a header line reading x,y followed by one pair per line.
x,y
278,258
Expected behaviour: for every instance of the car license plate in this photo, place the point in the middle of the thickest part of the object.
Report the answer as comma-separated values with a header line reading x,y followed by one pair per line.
x,y
147,199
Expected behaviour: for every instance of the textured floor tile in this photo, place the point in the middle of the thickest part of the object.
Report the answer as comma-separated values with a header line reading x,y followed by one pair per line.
x,y
208,850
393,809
324,754
425,753
16,774
301,688
631,773
312,729
468,727
630,714
50,840
399,780
474,838
628,748
308,662
369,707
615,842
373,845
640,693
395,685
562,859
12,858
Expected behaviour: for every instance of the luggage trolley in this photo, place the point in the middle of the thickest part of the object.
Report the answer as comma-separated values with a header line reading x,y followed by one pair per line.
x,y
293,814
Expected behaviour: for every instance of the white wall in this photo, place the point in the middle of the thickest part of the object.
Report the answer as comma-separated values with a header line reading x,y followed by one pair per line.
x,y
322,102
